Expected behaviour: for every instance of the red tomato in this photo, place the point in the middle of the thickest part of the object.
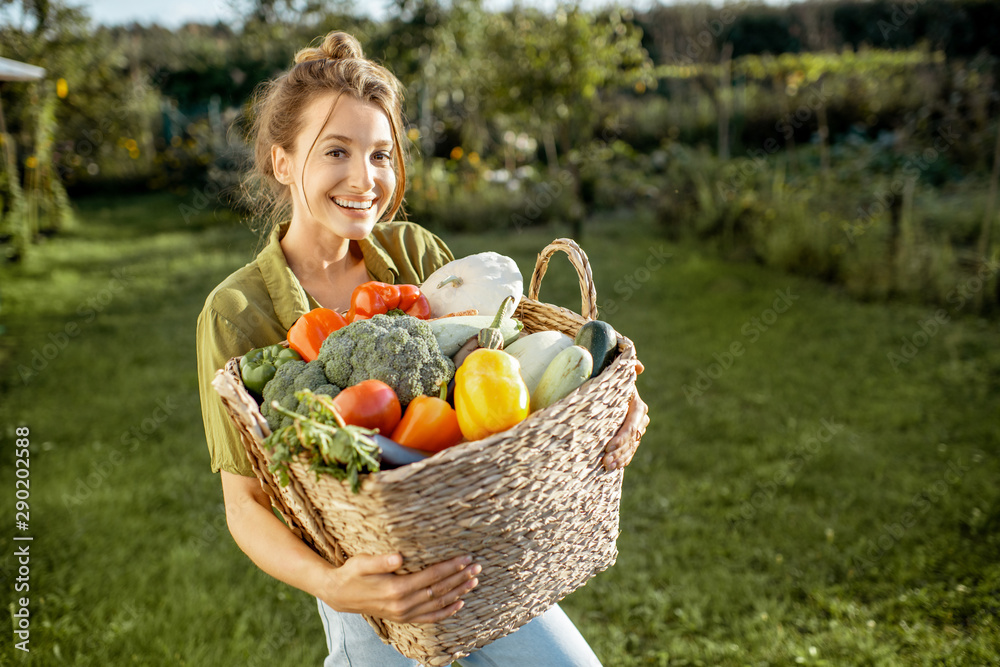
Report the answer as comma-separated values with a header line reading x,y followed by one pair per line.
x,y
371,404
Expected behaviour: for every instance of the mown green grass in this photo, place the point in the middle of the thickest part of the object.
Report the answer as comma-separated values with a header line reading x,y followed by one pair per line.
x,y
813,505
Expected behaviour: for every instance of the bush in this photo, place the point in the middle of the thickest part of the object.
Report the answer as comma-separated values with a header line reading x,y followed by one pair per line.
x,y
453,195
832,228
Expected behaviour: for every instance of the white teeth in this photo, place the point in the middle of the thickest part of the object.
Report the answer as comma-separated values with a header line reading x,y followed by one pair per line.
x,y
360,205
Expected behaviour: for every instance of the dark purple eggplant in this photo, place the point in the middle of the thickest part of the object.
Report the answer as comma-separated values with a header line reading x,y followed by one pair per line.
x,y
393,455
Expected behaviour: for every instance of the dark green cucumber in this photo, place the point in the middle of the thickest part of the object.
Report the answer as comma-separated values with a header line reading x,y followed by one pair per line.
x,y
600,339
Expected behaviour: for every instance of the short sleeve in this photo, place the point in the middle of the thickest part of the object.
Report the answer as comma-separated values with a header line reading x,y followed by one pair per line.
x,y
218,341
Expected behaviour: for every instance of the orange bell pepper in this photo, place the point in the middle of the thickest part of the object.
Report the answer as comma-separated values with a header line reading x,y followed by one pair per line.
x,y
309,331
429,424
376,298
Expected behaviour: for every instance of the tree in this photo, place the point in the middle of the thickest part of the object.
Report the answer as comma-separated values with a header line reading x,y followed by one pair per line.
x,y
557,75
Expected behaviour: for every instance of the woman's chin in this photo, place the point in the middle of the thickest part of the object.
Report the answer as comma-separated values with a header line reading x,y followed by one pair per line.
x,y
350,226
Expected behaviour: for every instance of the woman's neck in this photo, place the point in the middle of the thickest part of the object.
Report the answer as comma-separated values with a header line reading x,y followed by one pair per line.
x,y
329,267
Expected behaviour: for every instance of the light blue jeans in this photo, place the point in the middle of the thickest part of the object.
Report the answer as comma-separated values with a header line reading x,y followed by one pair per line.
x,y
549,640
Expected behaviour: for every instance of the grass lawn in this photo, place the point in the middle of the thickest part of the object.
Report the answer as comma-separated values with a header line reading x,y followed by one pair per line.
x,y
818,484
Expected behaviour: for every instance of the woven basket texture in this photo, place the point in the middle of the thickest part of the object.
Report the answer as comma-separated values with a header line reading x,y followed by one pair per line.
x,y
533,505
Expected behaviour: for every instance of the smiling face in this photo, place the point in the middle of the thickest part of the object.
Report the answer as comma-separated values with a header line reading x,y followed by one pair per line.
x,y
340,172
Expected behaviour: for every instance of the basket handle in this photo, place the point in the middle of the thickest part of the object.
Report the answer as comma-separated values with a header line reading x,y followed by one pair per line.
x,y
578,258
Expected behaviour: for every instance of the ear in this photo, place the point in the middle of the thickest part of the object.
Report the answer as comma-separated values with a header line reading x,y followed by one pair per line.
x,y
281,163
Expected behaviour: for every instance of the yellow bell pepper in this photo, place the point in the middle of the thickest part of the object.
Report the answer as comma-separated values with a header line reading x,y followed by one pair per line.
x,y
490,395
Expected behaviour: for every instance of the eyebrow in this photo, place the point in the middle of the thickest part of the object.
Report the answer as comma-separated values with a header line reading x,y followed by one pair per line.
x,y
348,140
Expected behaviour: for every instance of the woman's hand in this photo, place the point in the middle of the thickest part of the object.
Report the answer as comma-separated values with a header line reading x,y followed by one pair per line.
x,y
621,448
367,585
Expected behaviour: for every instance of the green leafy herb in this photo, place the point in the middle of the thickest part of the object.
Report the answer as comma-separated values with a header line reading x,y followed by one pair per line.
x,y
324,441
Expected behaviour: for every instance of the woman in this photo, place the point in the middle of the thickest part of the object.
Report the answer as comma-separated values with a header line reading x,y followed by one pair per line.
x,y
329,149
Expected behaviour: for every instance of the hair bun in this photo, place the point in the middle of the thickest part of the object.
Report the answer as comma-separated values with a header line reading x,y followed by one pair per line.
x,y
335,46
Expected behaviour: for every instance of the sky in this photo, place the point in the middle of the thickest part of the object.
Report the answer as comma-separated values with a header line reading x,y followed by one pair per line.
x,y
170,14
176,13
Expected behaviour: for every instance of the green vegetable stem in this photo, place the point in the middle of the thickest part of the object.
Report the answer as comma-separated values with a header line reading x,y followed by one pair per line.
x,y
492,337
323,441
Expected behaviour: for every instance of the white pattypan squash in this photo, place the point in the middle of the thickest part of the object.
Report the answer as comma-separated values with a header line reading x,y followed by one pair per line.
x,y
479,282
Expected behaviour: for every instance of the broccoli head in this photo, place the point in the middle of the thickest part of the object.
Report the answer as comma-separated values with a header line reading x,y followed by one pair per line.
x,y
287,381
398,350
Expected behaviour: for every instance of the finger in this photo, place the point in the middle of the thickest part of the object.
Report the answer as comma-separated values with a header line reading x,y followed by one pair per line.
x,y
445,591
616,445
623,455
617,442
434,574
438,614
620,458
639,414
455,582
622,447
633,426
614,453
639,368
431,603
380,564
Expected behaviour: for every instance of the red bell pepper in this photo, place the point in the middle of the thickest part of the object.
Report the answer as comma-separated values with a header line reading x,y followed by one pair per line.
x,y
309,331
376,298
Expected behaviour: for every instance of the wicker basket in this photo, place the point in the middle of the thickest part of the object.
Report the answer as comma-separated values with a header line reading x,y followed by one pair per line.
x,y
533,505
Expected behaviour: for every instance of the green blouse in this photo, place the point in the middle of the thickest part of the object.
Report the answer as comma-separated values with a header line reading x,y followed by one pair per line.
x,y
256,305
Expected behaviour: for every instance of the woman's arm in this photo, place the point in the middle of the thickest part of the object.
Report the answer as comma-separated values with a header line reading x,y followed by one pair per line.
x,y
365,584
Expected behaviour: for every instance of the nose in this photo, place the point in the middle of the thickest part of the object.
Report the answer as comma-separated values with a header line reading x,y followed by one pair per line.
x,y
362,174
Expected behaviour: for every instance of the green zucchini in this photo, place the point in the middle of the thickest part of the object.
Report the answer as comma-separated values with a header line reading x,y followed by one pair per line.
x,y
567,371
600,339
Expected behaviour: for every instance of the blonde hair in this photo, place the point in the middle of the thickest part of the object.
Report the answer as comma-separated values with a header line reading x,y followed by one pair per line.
x,y
339,66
